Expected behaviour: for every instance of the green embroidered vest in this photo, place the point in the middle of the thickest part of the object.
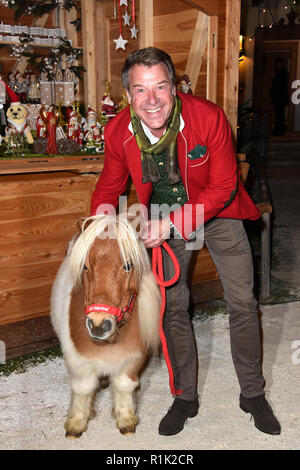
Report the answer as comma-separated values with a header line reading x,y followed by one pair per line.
x,y
163,192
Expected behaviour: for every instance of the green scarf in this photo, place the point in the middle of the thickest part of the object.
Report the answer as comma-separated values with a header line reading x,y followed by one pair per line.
x,y
167,144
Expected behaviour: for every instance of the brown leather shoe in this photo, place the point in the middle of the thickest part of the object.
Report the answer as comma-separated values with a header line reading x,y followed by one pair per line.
x,y
262,413
173,422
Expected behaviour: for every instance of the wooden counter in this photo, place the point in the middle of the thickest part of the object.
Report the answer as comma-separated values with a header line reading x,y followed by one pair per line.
x,y
41,200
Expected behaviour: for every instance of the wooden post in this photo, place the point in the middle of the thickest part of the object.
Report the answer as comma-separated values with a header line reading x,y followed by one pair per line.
x,y
199,43
212,59
146,23
88,8
103,56
231,77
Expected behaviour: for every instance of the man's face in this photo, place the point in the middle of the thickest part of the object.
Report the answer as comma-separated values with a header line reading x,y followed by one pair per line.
x,y
151,95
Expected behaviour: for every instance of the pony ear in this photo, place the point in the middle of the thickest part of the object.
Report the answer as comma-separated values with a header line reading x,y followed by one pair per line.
x,y
83,224
135,221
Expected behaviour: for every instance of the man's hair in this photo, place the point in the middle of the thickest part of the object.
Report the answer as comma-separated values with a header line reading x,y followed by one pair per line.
x,y
149,56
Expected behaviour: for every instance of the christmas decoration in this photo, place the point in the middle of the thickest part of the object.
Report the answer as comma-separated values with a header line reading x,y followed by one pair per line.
x,y
121,42
59,90
33,113
50,119
92,133
74,131
34,94
133,30
109,108
40,128
38,8
21,88
123,102
17,131
126,18
184,84
2,102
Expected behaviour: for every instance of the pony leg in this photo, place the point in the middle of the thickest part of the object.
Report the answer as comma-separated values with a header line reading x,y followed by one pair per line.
x,y
80,412
81,409
123,411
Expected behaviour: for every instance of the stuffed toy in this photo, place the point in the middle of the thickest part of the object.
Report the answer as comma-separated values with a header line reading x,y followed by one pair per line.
x,y
17,130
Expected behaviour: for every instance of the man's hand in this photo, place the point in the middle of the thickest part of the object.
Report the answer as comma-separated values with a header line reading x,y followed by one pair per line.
x,y
155,232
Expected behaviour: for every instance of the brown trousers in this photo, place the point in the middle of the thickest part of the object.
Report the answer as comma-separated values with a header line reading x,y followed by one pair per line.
x,y
229,247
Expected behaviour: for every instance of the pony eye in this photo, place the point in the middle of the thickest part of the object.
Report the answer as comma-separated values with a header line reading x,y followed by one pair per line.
x,y
85,268
127,266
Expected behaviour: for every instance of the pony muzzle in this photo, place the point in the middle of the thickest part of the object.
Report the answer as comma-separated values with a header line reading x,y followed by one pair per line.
x,y
101,327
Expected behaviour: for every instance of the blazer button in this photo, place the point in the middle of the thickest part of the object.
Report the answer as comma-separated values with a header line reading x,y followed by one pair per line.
x,y
175,190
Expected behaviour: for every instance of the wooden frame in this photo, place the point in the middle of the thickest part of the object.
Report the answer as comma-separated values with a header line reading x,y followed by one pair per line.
x,y
279,32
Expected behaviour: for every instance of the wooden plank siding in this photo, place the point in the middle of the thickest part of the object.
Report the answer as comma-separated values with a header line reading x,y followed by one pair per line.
x,y
38,216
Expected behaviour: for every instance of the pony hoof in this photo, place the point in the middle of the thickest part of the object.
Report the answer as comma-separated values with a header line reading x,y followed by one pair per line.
x,y
70,435
127,431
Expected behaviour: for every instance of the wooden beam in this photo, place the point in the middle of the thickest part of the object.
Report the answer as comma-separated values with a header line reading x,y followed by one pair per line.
x,y
89,43
231,77
70,28
146,23
103,56
212,59
195,5
198,46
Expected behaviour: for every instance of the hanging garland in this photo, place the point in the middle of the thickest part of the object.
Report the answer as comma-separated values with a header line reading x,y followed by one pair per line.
x,y
40,63
38,9
62,51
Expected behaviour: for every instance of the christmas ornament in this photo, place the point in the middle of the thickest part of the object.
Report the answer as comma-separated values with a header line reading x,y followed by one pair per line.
x,y
126,18
109,108
74,131
50,119
120,42
123,102
34,94
134,32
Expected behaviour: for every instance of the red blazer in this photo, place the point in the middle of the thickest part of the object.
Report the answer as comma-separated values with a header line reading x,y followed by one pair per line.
x,y
209,175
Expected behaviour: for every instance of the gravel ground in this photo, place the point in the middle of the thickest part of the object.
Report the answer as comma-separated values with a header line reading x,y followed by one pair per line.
x,y
34,404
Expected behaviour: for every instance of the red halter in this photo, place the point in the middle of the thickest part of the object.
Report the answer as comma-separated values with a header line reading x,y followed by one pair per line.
x,y
111,310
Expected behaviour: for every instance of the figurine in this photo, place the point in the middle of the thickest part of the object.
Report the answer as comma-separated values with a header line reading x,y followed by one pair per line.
x,y
50,119
109,109
184,84
34,94
74,131
123,102
40,128
17,131
21,88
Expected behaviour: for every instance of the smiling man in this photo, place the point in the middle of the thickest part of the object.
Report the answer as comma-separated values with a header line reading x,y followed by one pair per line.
x,y
178,150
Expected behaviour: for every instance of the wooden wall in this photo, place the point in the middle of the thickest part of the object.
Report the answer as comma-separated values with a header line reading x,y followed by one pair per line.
x,y
38,216
202,37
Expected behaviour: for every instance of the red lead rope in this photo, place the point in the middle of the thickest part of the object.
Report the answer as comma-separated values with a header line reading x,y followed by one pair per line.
x,y
157,268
